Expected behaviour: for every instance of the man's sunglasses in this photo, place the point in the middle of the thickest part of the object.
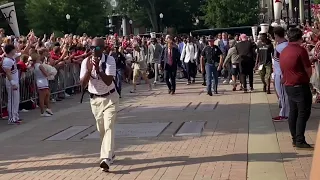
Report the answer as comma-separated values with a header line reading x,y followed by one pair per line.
x,y
96,48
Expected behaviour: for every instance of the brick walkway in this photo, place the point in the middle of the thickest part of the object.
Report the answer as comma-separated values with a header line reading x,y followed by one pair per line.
x,y
220,153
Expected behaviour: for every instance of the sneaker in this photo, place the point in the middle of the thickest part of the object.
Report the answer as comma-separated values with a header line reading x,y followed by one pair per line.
x,y
225,82
234,88
204,84
188,83
209,93
49,111
133,91
66,94
14,123
105,165
230,82
45,114
304,146
279,119
24,111
53,100
112,159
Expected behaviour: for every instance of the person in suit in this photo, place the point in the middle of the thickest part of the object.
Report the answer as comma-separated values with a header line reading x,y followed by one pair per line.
x,y
154,53
170,60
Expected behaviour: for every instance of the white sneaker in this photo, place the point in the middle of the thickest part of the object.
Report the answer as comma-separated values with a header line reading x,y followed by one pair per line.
x,y
53,100
24,110
230,82
225,82
49,111
45,114
66,95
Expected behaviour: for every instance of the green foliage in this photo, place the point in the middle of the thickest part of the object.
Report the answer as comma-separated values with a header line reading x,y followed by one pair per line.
x,y
46,16
179,14
230,13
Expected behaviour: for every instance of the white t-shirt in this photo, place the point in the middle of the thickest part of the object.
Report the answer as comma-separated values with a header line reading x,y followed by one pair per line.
x,y
96,85
11,64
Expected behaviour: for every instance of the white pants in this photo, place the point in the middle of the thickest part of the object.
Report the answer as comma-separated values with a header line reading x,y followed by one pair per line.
x,y
156,72
13,103
283,97
105,110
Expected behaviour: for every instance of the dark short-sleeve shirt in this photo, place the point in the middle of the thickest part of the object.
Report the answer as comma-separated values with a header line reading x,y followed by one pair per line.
x,y
211,54
294,61
265,52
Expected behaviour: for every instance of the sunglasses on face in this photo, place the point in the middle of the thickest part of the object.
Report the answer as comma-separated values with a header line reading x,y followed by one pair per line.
x,y
95,48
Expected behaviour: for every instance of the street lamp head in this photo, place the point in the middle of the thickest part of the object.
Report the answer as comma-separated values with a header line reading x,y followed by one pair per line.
x,y
161,15
197,21
114,3
130,22
68,16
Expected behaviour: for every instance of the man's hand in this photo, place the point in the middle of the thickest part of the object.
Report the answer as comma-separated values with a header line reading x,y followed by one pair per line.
x,y
219,68
89,65
96,63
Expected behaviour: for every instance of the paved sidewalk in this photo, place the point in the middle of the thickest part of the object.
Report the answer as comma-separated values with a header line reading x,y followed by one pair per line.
x,y
239,140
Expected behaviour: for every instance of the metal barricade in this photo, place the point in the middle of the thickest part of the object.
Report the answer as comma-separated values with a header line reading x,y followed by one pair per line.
x,y
66,78
28,90
3,95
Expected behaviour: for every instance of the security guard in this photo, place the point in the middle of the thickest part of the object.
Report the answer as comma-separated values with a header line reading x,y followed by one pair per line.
x,y
211,62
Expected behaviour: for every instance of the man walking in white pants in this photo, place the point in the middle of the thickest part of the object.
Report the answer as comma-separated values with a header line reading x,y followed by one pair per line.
x,y
9,65
97,72
279,34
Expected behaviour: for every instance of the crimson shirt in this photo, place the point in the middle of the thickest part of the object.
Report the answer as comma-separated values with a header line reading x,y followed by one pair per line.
x,y
294,60
55,56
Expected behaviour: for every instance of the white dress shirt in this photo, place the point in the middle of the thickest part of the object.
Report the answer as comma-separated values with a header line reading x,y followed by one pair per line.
x,y
189,53
96,85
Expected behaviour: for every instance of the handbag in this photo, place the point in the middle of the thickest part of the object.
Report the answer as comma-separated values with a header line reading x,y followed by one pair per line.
x,y
51,70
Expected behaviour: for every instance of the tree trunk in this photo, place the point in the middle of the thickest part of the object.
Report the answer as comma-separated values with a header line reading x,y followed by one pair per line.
x,y
152,15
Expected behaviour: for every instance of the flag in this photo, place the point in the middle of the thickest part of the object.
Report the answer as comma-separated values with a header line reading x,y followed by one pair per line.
x,y
9,12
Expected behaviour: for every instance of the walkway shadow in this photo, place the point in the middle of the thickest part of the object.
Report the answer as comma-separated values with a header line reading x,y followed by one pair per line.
x,y
166,162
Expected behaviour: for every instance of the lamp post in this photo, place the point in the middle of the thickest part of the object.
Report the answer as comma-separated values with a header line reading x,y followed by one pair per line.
x,y
130,22
287,11
68,18
161,17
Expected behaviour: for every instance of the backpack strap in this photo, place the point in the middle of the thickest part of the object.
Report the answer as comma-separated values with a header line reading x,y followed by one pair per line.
x,y
104,67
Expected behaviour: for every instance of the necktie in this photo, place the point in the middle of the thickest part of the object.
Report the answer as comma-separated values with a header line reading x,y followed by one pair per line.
x,y
170,57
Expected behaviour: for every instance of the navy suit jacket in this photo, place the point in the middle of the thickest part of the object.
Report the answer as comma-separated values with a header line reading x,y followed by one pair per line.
x,y
175,58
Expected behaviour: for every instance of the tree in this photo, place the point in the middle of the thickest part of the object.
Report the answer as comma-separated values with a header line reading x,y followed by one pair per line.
x,y
47,16
230,13
179,14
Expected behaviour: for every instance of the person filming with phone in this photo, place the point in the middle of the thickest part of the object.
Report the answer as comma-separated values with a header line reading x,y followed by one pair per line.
x,y
98,72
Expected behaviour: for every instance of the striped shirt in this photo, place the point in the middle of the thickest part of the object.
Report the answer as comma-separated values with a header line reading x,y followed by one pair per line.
x,y
11,64
96,85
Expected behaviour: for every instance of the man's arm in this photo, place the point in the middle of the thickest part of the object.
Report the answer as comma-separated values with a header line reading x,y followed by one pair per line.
x,y
306,62
85,75
228,57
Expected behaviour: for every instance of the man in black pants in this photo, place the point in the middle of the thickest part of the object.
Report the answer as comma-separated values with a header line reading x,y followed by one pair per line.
x,y
246,53
170,60
296,69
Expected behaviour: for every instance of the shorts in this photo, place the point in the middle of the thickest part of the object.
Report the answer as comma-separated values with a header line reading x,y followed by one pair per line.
x,y
266,71
138,73
235,69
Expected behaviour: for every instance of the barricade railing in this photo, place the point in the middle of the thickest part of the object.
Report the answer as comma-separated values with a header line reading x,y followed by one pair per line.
x,y
66,78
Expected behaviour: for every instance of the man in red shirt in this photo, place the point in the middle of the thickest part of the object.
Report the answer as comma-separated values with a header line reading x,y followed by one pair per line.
x,y
296,68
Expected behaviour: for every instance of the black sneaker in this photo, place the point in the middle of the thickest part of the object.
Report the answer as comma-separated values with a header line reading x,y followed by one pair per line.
x,y
304,146
209,93
105,165
169,91
204,84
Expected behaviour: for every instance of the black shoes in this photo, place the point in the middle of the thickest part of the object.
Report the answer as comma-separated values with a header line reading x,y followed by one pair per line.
x,y
210,93
304,146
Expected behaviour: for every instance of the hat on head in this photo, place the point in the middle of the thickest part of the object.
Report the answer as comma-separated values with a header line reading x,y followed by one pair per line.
x,y
243,37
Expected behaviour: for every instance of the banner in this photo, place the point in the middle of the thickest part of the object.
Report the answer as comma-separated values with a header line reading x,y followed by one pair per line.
x,y
9,12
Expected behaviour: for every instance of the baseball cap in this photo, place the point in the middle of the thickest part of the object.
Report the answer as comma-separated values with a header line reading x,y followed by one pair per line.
x,y
243,37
